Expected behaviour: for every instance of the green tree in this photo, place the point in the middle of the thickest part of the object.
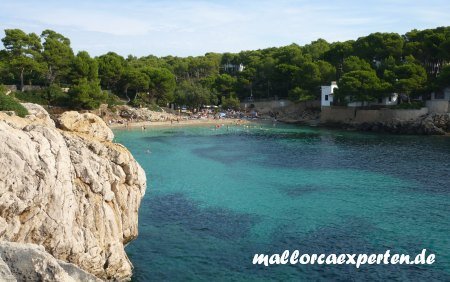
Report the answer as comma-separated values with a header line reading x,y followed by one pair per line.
x,y
110,69
299,95
57,54
23,52
84,67
410,78
161,85
443,79
361,86
354,63
230,103
135,80
378,46
327,71
316,49
225,84
87,94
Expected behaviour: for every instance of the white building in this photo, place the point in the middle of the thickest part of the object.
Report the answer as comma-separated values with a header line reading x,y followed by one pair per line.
x,y
327,94
229,67
328,97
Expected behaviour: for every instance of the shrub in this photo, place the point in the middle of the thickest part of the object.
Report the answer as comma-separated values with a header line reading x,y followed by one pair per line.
x,y
114,100
414,105
33,96
9,103
87,94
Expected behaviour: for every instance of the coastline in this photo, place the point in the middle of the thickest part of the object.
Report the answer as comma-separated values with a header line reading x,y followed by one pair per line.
x,y
190,122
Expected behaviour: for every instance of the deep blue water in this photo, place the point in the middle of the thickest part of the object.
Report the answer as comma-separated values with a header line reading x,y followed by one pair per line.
x,y
217,197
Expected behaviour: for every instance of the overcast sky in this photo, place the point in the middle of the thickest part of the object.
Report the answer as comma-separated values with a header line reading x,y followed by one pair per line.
x,y
183,28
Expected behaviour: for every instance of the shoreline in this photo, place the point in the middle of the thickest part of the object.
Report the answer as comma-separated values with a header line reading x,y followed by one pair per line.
x,y
191,122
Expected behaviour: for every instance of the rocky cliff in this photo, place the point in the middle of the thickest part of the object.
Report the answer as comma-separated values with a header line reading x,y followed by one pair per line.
x,y
69,189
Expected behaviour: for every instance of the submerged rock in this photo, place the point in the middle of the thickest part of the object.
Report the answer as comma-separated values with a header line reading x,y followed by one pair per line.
x,y
72,191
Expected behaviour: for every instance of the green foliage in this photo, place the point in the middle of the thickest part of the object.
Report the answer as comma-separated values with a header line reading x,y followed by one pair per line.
x,y
23,53
317,49
293,71
8,103
193,95
413,105
110,69
83,67
360,85
53,95
161,85
410,78
35,96
87,94
225,84
230,103
57,54
354,63
300,95
113,100
443,79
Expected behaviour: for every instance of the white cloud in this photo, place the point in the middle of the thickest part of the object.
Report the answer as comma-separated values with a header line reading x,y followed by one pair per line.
x,y
195,27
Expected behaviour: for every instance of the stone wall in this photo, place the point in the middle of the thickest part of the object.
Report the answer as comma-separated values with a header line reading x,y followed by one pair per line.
x,y
337,114
353,115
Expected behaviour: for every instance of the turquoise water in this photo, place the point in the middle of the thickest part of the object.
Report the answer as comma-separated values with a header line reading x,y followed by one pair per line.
x,y
217,197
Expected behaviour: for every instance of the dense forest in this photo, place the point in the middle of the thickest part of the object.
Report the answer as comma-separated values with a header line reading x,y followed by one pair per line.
x,y
367,68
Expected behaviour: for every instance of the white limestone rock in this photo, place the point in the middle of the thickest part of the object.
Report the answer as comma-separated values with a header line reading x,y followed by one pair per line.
x,y
86,123
30,262
73,193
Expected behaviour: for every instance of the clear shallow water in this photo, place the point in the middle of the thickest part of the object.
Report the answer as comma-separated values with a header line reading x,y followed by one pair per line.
x,y
217,197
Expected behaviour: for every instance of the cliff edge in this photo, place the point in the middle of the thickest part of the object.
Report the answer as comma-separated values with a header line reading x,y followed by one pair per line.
x,y
70,189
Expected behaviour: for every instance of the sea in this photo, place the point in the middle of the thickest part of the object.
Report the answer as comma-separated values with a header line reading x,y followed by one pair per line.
x,y
218,196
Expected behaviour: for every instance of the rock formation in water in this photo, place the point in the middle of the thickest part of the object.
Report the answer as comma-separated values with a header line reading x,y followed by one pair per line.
x,y
431,124
70,190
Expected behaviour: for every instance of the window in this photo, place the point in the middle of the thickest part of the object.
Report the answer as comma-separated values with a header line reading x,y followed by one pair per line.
x,y
326,97
390,99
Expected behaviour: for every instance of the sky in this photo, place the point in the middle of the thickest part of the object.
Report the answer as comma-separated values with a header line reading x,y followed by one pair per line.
x,y
192,27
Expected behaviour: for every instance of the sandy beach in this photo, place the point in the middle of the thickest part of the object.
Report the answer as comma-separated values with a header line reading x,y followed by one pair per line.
x,y
190,122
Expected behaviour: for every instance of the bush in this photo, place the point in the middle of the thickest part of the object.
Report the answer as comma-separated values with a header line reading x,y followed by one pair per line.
x,y
300,95
33,96
114,100
141,100
87,94
230,103
9,103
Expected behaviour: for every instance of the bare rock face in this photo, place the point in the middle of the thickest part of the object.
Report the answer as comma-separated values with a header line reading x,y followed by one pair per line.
x,y
29,262
86,123
72,191
5,272
38,113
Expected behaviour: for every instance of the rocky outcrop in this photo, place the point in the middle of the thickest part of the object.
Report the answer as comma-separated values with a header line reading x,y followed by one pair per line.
x,y
432,124
30,262
70,190
123,114
86,123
